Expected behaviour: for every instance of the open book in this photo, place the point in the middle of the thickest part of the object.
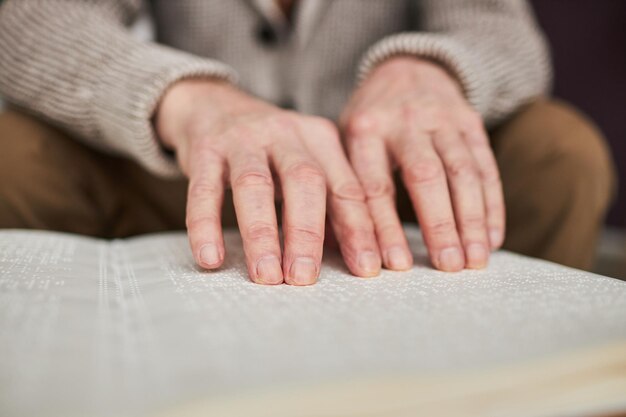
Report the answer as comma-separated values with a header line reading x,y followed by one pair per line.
x,y
132,328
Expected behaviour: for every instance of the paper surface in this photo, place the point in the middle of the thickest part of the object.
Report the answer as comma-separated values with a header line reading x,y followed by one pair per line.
x,y
90,327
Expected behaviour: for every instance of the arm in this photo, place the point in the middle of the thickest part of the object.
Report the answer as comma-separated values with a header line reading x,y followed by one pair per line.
x,y
74,63
493,48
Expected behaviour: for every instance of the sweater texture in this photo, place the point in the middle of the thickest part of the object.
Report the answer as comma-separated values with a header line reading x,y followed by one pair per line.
x,y
76,64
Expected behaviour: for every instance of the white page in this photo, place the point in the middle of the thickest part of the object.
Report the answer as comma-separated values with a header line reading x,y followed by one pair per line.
x,y
89,327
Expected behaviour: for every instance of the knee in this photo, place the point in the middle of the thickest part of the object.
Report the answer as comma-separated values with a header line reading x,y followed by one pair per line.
x,y
580,154
569,153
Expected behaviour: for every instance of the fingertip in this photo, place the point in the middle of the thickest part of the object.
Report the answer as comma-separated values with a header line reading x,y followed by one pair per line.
x,y
268,271
496,238
398,259
368,264
477,256
302,271
210,256
450,260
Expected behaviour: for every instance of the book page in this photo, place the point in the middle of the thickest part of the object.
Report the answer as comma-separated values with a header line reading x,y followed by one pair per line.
x,y
131,327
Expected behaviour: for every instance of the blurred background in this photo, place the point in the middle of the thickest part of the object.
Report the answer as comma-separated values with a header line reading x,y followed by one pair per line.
x,y
588,41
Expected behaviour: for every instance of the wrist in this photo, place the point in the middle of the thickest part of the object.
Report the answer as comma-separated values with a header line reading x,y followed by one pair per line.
x,y
178,103
423,69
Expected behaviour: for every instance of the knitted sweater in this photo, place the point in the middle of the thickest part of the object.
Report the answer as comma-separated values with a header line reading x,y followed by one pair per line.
x,y
75,63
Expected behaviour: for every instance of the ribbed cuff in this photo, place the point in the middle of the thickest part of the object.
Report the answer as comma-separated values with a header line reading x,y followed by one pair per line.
x,y
129,90
440,49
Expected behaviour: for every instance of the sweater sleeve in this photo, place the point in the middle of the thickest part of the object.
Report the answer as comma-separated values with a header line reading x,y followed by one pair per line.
x,y
493,47
75,63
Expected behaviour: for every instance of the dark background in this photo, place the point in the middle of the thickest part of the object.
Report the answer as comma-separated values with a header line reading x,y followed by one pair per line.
x,y
588,41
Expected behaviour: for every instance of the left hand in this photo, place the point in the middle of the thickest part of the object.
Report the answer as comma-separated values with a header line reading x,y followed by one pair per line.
x,y
412,114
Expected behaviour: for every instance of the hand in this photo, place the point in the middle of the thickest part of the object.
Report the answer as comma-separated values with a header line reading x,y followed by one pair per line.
x,y
412,113
222,135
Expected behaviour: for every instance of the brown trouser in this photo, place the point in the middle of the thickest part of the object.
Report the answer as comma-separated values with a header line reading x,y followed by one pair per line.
x,y
557,174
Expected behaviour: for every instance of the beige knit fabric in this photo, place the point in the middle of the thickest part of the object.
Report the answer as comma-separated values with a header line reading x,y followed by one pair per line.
x,y
75,63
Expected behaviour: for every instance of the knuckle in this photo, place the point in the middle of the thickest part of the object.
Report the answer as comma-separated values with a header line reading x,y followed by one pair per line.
x,y
378,188
471,123
204,148
355,236
462,168
362,124
326,128
490,174
350,191
444,227
308,172
282,122
261,231
253,179
203,189
424,171
305,234
202,222
237,132
472,222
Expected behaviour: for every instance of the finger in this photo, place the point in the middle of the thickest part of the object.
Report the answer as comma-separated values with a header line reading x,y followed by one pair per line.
x,y
205,195
347,207
467,196
425,180
478,144
253,197
304,210
371,163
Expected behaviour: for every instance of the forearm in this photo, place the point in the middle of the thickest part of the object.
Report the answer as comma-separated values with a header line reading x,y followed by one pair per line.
x,y
74,63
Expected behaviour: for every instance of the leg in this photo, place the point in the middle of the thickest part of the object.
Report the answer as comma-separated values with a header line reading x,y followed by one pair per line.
x,y
52,182
558,181
48,181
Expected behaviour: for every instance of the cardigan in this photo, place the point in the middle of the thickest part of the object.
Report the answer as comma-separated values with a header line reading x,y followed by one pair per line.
x,y
76,64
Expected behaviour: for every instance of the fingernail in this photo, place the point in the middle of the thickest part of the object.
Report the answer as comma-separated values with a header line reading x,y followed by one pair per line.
x,y
369,262
450,259
476,255
269,271
495,238
398,259
304,271
209,254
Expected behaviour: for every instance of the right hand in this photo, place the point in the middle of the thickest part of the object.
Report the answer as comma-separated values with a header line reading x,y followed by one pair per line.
x,y
222,135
